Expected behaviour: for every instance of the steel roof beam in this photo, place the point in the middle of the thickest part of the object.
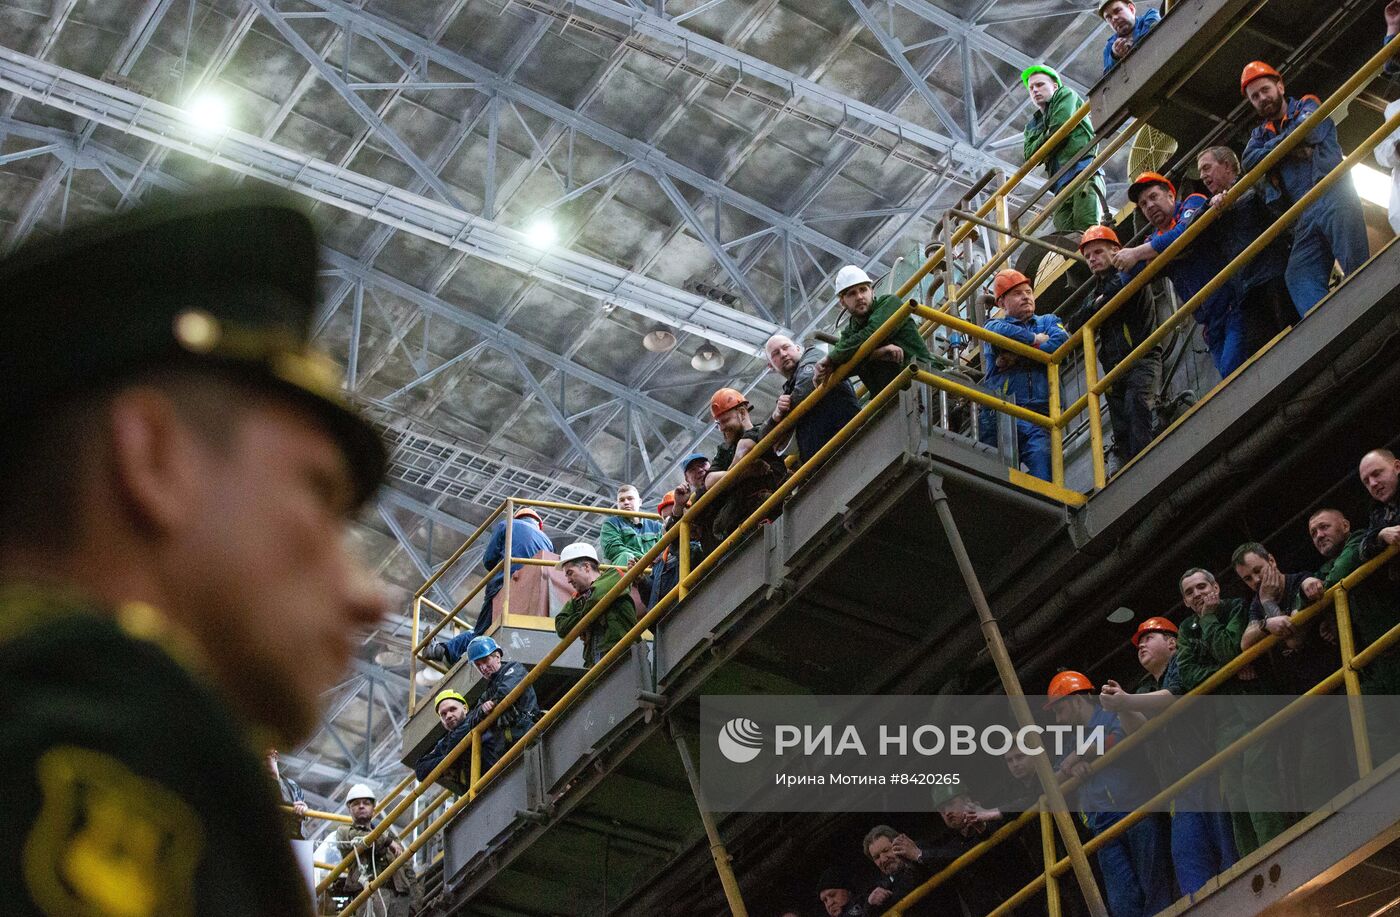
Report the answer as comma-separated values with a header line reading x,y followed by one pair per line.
x,y
162,124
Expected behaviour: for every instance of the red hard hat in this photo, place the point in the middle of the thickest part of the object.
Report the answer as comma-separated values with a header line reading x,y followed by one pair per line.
x,y
1006,281
1253,71
1153,626
1065,684
1145,181
668,500
726,399
1099,234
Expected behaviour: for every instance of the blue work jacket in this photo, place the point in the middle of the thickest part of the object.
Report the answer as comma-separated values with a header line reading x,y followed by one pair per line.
x,y
1296,174
1144,24
1024,382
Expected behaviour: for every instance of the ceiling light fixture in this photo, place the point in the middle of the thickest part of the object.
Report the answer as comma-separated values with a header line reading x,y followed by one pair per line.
x,y
1371,184
209,112
707,359
1121,615
541,233
659,339
427,677
390,659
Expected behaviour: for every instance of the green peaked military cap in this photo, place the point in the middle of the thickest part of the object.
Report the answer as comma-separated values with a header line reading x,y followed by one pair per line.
x,y
224,281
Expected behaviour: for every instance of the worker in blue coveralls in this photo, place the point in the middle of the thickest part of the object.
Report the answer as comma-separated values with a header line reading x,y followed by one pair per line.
x,y
1128,27
1015,378
1137,865
1333,227
1220,317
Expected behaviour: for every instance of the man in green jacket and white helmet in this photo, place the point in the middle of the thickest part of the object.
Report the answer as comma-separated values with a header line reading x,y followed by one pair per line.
x,y
1055,104
579,561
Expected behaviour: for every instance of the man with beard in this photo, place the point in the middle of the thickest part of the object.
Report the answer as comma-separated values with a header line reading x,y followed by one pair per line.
x,y
1332,228
1129,29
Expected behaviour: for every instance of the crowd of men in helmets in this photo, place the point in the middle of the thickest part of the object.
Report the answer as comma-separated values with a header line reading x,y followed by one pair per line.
x,y
1164,856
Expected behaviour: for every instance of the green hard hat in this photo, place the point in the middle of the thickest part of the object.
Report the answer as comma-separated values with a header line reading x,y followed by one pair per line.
x,y
1040,68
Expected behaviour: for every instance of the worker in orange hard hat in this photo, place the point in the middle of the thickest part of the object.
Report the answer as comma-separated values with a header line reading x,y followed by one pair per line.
x,y
1220,317
755,482
1016,378
1132,400
1332,228
1136,866
1202,836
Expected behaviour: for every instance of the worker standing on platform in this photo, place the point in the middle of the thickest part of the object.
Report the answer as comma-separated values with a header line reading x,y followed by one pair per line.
x,y
177,474
1265,304
1202,839
293,797
1220,318
1019,380
580,565
1136,866
867,313
837,896
1380,475
1251,780
798,367
397,897
1055,104
1129,29
1132,401
625,539
1332,228
748,488
903,867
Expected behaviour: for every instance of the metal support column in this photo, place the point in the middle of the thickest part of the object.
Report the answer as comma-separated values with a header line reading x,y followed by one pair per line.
x,y
1346,641
1011,684
721,856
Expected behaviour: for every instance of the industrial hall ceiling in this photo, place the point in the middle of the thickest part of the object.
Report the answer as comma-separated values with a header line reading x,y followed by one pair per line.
x,y
514,194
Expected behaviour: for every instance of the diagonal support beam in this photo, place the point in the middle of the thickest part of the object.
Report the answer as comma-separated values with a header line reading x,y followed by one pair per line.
x,y
895,52
556,415
357,104
132,113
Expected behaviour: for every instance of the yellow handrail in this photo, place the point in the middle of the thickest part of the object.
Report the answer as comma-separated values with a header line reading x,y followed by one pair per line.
x,y
781,431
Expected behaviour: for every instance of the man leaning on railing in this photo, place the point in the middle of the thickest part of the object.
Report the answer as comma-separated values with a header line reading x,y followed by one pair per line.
x,y
1332,228
866,313
1015,378
580,565
753,484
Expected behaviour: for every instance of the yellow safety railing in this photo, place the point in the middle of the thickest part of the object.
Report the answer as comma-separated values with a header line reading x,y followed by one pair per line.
x,y
506,510
1345,677
1056,421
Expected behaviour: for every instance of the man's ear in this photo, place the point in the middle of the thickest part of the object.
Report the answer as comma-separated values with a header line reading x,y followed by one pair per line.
x,y
157,459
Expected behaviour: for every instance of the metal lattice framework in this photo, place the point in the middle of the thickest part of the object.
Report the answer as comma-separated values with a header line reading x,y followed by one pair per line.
x,y
708,180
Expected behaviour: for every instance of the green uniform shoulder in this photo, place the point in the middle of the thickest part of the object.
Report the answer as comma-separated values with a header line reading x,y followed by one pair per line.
x,y
109,738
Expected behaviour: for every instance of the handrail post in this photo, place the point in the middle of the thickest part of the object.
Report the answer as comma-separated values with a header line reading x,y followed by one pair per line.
x,y
723,862
684,550
413,656
1346,643
1091,378
475,773
1047,846
1011,685
509,555
1057,432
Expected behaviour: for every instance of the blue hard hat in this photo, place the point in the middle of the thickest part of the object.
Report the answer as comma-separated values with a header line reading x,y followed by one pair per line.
x,y
480,648
692,458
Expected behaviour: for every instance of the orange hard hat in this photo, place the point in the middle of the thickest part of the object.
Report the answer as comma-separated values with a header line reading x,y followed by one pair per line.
x,y
1065,684
528,511
1006,281
668,500
1153,626
1255,69
1147,180
1099,234
726,399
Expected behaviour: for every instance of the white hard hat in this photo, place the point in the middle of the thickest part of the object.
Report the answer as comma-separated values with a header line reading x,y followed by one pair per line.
x,y
849,276
359,791
577,551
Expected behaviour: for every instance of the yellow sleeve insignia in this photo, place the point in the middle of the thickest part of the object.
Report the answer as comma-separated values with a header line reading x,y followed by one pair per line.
x,y
108,843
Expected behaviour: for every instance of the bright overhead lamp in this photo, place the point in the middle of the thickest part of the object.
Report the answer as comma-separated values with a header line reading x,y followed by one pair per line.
x,y
1371,184
209,112
659,339
427,677
390,659
541,233
707,359
1121,615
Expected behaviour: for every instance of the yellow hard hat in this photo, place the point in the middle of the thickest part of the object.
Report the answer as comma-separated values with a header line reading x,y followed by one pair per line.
x,y
449,694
